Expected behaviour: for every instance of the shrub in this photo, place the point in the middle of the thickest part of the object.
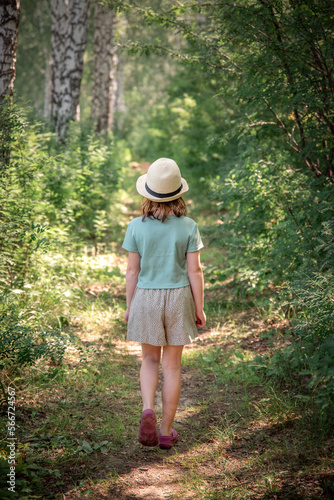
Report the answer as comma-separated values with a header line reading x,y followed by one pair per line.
x,y
310,356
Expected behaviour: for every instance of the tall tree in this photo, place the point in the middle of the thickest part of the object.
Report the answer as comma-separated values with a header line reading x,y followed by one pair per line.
x,y
9,23
105,66
69,35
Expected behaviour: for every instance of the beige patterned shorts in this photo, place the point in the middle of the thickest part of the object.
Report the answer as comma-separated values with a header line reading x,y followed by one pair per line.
x,y
162,316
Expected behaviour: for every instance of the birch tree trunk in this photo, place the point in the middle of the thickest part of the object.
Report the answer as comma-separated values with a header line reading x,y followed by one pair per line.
x,y
9,23
68,39
104,71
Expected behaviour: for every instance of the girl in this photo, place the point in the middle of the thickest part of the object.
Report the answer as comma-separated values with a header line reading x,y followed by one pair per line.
x,y
164,292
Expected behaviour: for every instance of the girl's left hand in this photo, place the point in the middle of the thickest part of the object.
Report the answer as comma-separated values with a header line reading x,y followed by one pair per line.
x,y
126,316
200,319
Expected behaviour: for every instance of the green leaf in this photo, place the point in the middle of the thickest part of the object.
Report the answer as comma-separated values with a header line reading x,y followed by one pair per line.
x,y
86,447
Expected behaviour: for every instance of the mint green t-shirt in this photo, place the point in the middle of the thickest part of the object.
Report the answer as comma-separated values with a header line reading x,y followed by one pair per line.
x,y
162,247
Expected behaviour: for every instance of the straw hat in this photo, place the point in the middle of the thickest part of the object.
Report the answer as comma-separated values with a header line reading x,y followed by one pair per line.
x,y
163,181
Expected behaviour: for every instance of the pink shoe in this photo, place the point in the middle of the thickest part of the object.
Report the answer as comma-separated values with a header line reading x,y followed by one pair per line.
x,y
166,442
148,435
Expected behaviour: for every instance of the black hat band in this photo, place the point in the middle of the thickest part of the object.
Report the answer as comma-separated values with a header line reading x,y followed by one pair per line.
x,y
161,195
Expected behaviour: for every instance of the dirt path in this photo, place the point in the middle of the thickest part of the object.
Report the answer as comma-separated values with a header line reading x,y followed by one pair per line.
x,y
150,473
229,446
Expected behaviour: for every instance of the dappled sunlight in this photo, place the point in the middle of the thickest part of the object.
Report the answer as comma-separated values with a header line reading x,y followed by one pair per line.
x,y
231,436
154,481
106,262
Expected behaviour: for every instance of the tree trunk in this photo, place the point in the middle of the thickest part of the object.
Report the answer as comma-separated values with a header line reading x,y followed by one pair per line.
x,y
9,23
68,39
104,72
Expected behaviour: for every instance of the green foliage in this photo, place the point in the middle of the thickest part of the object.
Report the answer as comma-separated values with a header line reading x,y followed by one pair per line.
x,y
20,236
290,44
74,183
44,190
270,215
274,57
18,240
313,296
308,362
11,128
22,345
47,191
23,475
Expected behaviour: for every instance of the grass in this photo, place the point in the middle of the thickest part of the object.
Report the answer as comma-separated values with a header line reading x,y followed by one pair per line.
x,y
264,440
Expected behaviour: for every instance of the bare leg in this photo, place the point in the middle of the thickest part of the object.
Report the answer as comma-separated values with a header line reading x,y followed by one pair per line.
x,y
149,374
171,388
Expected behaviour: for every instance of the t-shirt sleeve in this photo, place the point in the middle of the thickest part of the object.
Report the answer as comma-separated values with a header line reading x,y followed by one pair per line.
x,y
195,242
129,242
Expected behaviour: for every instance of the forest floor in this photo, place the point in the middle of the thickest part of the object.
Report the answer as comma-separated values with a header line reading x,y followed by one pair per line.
x,y
231,445
239,437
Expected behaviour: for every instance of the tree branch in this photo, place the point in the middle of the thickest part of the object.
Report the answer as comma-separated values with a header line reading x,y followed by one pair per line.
x,y
259,124
176,54
294,144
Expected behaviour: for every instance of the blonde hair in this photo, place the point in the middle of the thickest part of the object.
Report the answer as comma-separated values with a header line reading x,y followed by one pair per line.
x,y
161,209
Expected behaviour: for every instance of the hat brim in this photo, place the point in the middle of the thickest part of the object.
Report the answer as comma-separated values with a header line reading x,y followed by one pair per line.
x,y
140,185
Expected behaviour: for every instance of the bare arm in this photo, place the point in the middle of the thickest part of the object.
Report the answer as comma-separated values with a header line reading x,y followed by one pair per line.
x,y
195,275
132,273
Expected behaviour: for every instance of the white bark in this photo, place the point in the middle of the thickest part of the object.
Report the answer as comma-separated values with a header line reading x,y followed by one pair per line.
x,y
59,30
9,23
105,66
69,35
